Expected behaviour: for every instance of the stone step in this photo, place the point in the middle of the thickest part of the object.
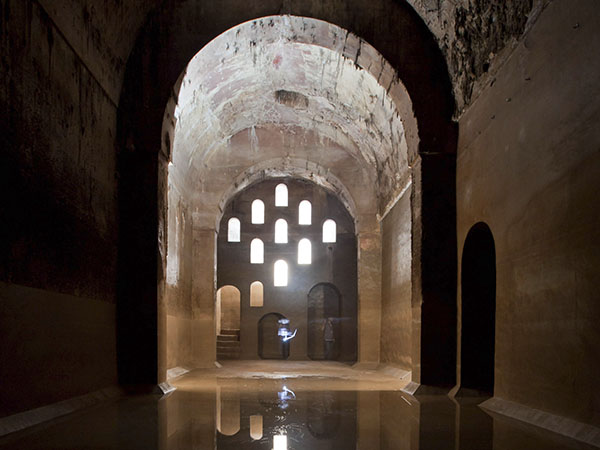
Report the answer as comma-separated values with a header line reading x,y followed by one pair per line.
x,y
228,353
230,332
228,344
227,356
227,337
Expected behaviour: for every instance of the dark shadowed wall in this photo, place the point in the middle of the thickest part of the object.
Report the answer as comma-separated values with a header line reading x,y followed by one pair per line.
x,y
529,167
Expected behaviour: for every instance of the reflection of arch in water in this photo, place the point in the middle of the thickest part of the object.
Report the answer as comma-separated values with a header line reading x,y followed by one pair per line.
x,y
323,414
228,411
269,343
324,308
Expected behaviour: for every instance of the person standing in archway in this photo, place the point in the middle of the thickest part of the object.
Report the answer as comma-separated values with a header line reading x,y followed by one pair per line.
x,y
329,337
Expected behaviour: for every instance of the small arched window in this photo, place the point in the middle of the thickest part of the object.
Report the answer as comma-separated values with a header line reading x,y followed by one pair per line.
x,y
281,195
281,234
304,213
280,273
258,211
257,251
256,427
304,251
329,231
233,230
256,294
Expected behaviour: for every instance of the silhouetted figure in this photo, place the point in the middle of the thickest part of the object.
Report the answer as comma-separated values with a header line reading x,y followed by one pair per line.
x,y
329,337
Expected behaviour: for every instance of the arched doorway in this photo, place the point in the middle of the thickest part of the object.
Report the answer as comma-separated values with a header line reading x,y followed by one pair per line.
x,y
228,319
324,337
478,314
270,345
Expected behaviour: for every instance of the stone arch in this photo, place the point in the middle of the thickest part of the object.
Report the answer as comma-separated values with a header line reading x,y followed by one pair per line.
x,y
152,71
289,167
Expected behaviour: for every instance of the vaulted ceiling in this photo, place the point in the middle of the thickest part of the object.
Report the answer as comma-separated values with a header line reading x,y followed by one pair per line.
x,y
287,90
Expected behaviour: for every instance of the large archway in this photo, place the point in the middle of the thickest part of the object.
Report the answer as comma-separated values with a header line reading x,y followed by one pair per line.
x,y
431,163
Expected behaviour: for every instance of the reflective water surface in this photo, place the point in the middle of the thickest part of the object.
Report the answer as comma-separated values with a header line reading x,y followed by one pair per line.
x,y
286,414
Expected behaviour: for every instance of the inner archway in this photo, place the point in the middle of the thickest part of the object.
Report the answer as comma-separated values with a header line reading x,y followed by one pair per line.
x,y
478,315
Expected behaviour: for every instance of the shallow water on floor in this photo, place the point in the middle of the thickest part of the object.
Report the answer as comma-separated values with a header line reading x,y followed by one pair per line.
x,y
290,414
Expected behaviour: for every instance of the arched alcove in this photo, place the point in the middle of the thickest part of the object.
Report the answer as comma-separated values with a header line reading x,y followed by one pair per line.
x,y
228,322
228,305
324,311
478,310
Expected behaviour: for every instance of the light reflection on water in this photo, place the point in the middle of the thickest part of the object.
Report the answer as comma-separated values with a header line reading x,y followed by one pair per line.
x,y
314,419
234,414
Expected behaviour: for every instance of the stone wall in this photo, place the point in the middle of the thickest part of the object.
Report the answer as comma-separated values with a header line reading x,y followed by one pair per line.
x,y
58,218
396,310
528,166
334,263
472,33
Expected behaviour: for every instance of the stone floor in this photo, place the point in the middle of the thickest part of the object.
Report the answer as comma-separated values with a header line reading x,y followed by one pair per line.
x,y
309,405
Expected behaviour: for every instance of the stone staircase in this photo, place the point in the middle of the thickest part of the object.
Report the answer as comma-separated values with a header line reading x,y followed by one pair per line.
x,y
228,344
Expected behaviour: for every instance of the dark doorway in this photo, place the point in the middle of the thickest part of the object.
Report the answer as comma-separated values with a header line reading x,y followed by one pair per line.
x,y
323,322
478,283
270,345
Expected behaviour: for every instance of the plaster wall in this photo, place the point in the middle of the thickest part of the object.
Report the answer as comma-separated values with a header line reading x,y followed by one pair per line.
x,y
58,229
396,294
179,269
528,166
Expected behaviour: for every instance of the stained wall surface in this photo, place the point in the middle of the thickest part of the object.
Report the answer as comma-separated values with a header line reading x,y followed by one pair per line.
x,y
396,295
179,272
58,219
334,263
529,167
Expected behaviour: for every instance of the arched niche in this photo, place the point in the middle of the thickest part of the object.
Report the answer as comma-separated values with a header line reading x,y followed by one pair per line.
x,y
228,309
478,310
323,315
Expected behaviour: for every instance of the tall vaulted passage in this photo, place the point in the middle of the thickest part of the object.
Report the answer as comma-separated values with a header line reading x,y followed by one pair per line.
x,y
370,140
288,97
